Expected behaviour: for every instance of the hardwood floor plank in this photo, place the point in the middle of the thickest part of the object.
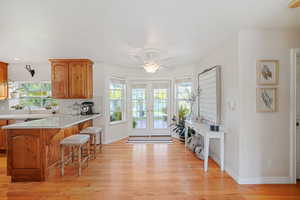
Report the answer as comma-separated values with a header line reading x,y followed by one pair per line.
x,y
142,172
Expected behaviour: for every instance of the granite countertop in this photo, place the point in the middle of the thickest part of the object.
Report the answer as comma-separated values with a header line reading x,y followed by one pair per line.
x,y
24,116
56,121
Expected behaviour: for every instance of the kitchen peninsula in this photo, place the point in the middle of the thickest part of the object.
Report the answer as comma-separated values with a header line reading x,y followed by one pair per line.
x,y
34,146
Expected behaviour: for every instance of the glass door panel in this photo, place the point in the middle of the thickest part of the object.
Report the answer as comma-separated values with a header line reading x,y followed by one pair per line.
x,y
139,108
160,108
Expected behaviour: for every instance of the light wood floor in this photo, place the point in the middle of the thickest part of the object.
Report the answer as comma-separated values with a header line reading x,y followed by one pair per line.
x,y
143,172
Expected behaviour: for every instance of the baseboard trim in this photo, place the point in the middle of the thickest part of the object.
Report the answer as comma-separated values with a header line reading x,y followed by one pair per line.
x,y
229,170
265,180
114,140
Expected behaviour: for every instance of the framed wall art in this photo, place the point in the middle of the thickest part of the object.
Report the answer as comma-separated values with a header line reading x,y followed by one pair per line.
x,y
267,72
266,99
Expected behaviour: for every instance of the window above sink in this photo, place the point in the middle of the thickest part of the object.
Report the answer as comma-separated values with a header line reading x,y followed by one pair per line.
x,y
26,95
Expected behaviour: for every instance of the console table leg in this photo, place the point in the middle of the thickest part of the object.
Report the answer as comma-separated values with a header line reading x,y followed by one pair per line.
x,y
206,152
222,152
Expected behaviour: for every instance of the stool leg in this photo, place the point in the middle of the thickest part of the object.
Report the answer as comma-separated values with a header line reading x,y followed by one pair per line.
x,y
73,153
95,146
88,153
62,160
100,143
79,160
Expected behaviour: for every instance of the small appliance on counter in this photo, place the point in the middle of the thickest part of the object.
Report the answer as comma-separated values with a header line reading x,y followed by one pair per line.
x,y
86,108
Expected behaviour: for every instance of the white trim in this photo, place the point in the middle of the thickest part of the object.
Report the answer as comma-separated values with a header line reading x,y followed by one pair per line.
x,y
115,140
255,180
118,122
232,174
264,180
293,117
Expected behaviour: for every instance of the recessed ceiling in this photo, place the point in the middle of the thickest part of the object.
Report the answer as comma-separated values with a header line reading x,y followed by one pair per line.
x,y
111,31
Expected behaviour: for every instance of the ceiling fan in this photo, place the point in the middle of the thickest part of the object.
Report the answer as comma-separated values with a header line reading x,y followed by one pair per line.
x,y
150,60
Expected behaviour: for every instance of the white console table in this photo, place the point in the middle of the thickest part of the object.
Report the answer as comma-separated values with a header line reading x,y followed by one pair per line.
x,y
207,134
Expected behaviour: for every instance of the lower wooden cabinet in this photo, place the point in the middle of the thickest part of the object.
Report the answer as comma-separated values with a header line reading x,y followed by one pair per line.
x,y
33,153
3,140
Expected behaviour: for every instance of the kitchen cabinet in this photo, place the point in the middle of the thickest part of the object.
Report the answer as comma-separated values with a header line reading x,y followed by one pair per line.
x,y
3,81
3,134
72,78
34,154
3,143
60,81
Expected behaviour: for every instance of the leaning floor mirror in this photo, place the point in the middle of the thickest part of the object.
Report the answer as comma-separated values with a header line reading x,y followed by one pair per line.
x,y
209,96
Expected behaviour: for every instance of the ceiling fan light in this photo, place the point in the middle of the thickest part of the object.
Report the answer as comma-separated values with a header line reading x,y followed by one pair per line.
x,y
151,67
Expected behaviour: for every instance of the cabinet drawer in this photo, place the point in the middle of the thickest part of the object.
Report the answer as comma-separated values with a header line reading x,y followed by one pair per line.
x,y
3,122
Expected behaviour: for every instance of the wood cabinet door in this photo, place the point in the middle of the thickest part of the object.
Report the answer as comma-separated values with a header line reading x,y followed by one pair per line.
x,y
89,81
77,80
60,80
3,140
3,81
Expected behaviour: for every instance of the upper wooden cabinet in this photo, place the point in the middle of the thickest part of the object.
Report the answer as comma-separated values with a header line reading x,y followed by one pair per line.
x,y
72,78
3,81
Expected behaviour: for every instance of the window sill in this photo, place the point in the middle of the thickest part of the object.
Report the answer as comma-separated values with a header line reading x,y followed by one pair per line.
x,y
117,122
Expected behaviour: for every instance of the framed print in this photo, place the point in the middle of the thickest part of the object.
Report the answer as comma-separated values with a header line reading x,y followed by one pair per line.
x,y
267,72
266,99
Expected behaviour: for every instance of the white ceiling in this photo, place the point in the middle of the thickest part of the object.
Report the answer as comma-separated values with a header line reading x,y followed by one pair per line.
x,y
111,31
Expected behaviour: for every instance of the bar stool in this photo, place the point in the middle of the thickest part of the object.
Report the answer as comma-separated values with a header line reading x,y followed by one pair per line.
x,y
93,132
76,142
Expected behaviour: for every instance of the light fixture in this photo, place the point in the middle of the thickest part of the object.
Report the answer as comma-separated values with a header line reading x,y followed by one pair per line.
x,y
151,67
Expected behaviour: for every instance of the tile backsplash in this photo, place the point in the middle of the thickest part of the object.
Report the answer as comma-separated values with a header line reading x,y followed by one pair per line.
x,y
65,106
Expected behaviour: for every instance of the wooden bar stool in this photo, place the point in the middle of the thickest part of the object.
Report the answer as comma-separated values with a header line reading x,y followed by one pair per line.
x,y
76,142
94,133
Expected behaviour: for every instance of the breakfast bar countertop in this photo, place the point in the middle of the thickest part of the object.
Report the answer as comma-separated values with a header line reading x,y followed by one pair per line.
x,y
24,116
57,121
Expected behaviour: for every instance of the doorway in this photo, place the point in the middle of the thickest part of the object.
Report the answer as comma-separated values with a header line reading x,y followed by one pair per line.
x,y
149,108
295,115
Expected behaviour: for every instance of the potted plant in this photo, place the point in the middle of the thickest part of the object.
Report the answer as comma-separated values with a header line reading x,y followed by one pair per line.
x,y
179,125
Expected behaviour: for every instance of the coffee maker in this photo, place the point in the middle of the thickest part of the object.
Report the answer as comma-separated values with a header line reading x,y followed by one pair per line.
x,y
86,108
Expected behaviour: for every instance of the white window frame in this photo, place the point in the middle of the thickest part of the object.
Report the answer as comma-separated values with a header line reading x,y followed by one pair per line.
x,y
33,82
123,99
176,99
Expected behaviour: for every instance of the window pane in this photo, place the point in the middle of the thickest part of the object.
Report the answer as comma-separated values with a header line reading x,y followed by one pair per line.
x,y
116,101
184,90
160,108
115,94
116,105
31,102
31,95
115,116
139,108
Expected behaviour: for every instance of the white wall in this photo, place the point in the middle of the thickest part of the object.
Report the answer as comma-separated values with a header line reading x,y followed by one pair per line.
x,y
226,55
256,144
264,137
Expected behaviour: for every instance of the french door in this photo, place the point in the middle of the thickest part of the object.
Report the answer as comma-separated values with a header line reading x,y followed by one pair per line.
x,y
149,108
